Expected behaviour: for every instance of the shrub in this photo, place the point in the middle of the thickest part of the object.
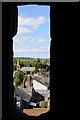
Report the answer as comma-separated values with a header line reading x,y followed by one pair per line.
x,y
43,104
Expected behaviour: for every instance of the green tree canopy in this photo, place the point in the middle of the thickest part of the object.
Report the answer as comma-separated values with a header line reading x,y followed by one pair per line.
x,y
20,75
14,61
34,63
14,67
38,60
17,81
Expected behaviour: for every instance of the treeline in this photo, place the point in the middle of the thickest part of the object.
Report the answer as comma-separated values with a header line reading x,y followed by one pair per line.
x,y
38,63
22,58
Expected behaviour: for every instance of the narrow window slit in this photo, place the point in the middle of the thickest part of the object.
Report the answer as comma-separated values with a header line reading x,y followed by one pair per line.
x,y
31,60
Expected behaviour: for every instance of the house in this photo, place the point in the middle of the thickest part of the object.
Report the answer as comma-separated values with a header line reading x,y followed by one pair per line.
x,y
39,84
44,93
25,69
36,97
24,97
41,91
22,94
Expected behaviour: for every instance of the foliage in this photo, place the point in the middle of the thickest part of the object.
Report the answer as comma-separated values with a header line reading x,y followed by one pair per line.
x,y
29,62
34,63
20,75
43,104
14,64
47,68
38,60
17,81
14,67
14,61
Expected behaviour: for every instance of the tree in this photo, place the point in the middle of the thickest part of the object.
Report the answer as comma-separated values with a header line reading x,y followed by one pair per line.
x,y
34,63
47,67
14,61
43,104
25,63
17,81
14,64
38,60
20,75
14,67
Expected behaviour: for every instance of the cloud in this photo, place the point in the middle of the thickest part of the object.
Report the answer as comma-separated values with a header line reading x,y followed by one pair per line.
x,y
38,41
29,25
22,21
39,49
24,30
21,39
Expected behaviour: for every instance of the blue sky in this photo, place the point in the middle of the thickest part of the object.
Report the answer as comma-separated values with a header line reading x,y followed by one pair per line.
x,y
33,32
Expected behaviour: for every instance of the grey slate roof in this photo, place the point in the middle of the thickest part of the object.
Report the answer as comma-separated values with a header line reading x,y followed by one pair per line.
x,y
47,74
43,92
18,98
22,94
38,79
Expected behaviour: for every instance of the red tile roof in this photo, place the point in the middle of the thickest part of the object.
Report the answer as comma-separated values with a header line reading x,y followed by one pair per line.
x,y
34,112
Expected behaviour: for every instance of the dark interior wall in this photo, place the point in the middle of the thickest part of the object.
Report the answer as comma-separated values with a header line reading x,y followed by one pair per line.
x,y
0,60
58,13
64,57
9,29
63,21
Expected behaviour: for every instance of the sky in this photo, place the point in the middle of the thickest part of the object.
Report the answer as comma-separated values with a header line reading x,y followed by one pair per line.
x,y
33,32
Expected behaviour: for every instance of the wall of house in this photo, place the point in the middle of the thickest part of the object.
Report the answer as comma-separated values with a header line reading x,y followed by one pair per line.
x,y
47,97
38,86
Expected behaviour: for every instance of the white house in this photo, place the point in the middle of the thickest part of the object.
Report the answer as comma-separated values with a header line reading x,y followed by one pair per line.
x,y
24,69
39,84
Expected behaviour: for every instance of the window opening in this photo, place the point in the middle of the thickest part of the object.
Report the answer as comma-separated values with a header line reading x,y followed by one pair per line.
x,y
31,60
